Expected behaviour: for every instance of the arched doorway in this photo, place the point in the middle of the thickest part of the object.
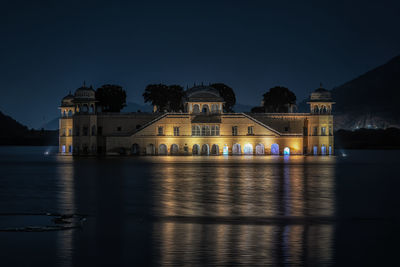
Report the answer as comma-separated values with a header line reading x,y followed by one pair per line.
x,y
260,150
215,150
205,109
236,149
275,149
323,150
196,108
150,149
286,151
205,150
330,150
135,149
162,150
248,149
196,150
225,150
174,149
315,150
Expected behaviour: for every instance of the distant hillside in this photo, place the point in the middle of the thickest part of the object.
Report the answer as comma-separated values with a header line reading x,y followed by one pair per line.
x,y
369,101
9,126
14,133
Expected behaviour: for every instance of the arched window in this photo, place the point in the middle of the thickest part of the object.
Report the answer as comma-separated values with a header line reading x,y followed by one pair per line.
x,y
93,130
150,149
135,149
215,150
70,113
196,150
315,150
85,108
63,114
275,149
260,149
225,150
174,149
323,150
248,149
196,108
236,149
205,149
316,110
196,130
214,108
286,151
162,150
206,109
91,108
330,150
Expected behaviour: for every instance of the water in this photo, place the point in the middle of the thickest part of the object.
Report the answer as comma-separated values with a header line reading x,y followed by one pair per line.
x,y
270,211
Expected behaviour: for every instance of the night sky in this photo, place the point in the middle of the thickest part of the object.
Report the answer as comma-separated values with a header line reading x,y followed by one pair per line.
x,y
50,47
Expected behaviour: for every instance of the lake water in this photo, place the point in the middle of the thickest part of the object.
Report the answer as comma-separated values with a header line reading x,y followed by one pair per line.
x,y
236,210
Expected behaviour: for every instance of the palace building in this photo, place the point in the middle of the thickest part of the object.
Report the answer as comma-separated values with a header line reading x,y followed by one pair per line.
x,y
201,129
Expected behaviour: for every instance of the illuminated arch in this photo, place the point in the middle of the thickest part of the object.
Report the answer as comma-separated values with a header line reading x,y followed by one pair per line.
x,y
174,149
323,150
225,150
205,150
286,151
196,149
205,109
162,150
215,150
150,149
248,149
275,149
260,150
236,149
315,150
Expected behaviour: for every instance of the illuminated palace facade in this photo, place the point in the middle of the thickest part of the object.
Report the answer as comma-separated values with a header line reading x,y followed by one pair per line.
x,y
201,129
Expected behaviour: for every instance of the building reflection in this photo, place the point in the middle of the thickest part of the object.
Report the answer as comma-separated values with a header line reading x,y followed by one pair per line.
x,y
256,213
66,205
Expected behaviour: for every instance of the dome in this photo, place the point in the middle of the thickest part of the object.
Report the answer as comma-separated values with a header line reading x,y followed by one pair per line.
x,y
321,94
68,100
203,94
85,92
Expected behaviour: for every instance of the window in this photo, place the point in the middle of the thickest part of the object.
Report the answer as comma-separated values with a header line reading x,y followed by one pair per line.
x,y
315,132
250,130
286,129
330,130
176,131
119,128
85,131
203,130
70,149
63,132
234,130
99,130
160,130
323,130
214,130
196,130
93,130
69,132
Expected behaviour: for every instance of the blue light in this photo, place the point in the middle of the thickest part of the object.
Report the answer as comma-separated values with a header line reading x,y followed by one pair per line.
x,y
286,151
225,150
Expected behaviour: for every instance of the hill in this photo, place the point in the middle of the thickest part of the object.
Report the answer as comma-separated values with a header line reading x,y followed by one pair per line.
x,y
368,101
14,133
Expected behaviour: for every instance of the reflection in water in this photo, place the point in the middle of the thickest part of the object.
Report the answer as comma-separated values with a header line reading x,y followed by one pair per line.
x,y
238,191
66,203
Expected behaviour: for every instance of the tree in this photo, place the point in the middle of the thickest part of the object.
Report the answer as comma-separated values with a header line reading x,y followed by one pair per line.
x,y
164,97
111,97
227,94
278,99
175,95
258,110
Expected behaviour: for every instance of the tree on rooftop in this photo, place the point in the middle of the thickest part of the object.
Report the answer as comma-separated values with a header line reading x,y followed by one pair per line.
x,y
278,100
227,94
111,97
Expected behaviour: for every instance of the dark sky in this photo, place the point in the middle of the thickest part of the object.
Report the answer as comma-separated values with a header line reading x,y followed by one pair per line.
x,y
50,47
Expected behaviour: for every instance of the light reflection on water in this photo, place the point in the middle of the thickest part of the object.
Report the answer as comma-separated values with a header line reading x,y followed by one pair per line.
x,y
224,210
244,188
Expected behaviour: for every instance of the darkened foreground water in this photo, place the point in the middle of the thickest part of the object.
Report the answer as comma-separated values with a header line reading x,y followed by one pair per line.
x,y
202,210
